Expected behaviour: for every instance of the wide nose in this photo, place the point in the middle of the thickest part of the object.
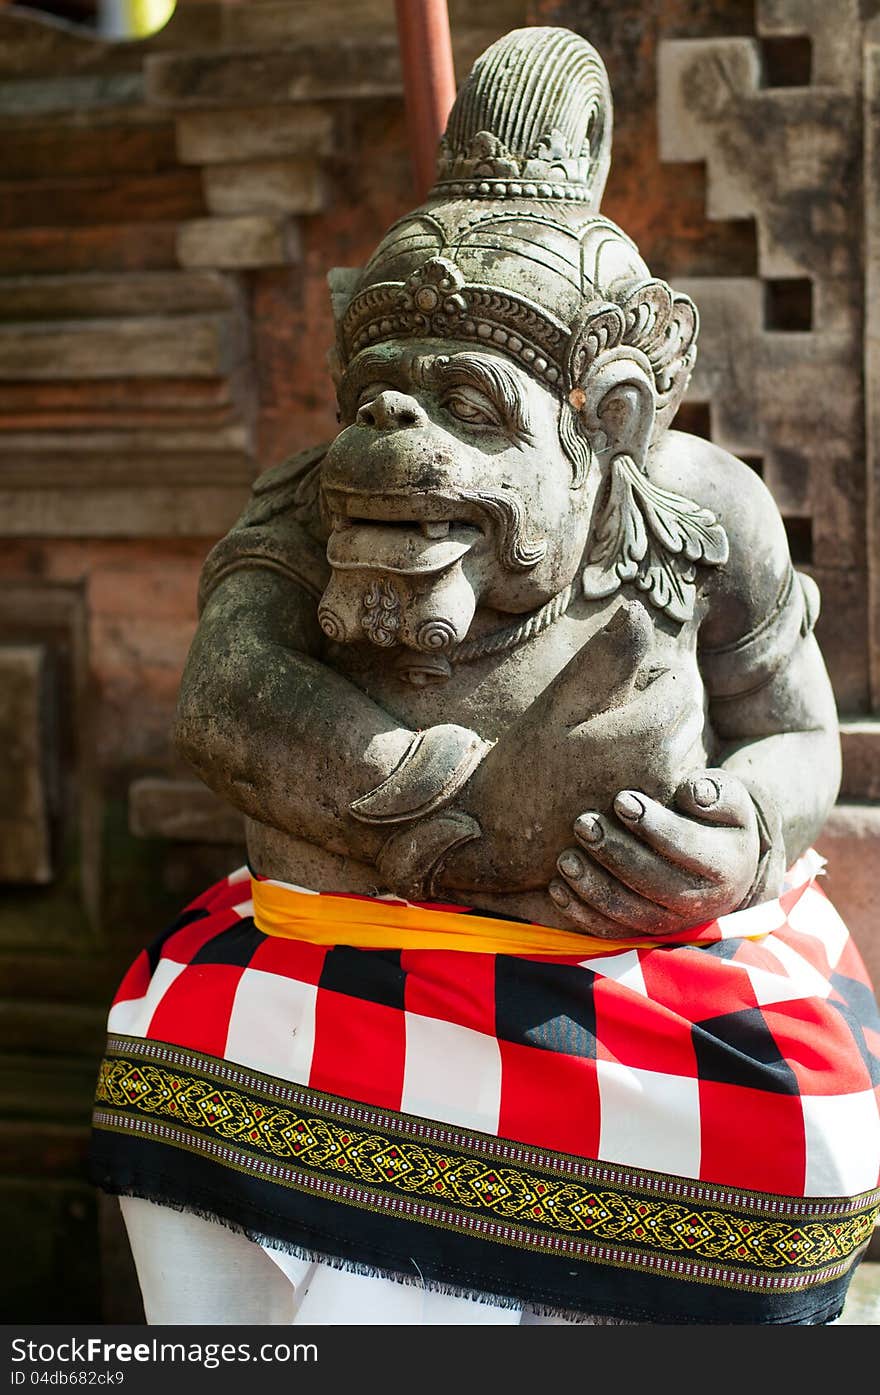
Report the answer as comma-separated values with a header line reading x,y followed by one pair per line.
x,y
391,411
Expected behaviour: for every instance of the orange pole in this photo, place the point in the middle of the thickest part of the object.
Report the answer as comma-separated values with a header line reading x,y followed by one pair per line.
x,y
428,80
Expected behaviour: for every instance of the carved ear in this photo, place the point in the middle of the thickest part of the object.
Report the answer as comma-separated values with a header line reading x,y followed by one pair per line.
x,y
342,281
616,403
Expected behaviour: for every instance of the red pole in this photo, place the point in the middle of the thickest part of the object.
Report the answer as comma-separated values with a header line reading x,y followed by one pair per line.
x,y
428,80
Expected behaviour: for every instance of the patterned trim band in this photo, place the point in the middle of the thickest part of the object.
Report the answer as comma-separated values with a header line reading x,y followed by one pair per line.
x,y
472,1184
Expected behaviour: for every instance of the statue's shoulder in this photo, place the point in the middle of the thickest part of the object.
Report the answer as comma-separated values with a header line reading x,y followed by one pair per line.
x,y
288,490
757,605
279,530
758,557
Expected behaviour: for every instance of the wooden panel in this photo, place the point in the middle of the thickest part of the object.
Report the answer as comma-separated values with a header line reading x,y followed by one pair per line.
x,y
78,470
41,153
120,512
118,394
114,247
193,346
342,69
25,797
95,296
95,199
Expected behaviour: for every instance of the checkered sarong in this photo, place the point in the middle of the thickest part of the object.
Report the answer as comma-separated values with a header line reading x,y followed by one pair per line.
x,y
684,1130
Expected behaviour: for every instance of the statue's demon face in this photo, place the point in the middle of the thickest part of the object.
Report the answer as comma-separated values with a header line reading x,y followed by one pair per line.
x,y
447,488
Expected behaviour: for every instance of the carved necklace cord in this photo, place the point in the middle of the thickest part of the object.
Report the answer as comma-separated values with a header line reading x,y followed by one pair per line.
x,y
517,633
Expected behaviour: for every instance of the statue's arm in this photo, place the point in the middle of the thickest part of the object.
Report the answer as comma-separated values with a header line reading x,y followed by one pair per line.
x,y
272,729
775,716
729,832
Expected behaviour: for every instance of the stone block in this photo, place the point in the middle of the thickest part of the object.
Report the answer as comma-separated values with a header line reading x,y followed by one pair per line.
x,y
238,243
265,186
253,133
182,810
25,757
860,744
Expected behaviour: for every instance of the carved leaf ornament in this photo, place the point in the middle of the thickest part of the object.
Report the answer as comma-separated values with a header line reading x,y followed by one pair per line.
x,y
652,538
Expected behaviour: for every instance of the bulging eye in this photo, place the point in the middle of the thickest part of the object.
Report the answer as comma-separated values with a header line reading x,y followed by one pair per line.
x,y
469,405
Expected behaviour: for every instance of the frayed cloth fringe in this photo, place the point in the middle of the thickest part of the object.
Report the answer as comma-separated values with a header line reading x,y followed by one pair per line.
x,y
371,1271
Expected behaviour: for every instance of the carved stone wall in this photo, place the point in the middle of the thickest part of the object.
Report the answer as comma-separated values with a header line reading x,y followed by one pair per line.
x,y
168,211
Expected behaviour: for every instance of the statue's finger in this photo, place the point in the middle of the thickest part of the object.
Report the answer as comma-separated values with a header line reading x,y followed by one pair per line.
x,y
676,837
638,865
583,916
717,797
597,888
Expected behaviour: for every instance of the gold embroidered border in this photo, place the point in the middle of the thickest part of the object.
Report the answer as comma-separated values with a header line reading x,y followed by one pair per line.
x,y
527,1207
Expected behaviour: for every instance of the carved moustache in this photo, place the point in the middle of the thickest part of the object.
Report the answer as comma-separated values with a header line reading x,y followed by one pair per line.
x,y
402,582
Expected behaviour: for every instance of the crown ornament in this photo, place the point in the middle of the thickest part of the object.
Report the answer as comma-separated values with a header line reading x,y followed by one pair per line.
x,y
555,146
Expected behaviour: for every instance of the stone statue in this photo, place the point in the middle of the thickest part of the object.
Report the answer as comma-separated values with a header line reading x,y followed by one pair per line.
x,y
521,681
507,560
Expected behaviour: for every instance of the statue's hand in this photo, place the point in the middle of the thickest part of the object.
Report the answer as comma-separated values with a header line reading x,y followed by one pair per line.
x,y
655,869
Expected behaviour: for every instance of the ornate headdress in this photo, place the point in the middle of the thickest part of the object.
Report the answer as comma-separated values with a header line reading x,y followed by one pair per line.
x,y
509,249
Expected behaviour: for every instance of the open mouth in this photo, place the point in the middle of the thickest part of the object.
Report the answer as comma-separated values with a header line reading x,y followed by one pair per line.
x,y
407,546
439,528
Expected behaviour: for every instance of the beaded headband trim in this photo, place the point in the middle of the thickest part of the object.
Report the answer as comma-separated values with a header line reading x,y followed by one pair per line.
x,y
435,302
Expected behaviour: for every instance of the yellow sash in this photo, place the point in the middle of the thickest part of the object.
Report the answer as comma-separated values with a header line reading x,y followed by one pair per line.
x,y
373,924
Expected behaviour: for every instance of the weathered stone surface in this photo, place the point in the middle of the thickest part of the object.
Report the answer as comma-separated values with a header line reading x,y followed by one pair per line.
x,y
777,366
238,243
264,186
183,810
409,597
253,133
28,755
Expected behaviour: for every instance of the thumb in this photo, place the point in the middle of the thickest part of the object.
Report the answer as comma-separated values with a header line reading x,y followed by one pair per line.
x,y
602,673
717,797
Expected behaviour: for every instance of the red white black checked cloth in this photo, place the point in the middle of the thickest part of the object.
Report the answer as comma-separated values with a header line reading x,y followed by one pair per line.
x,y
685,1132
